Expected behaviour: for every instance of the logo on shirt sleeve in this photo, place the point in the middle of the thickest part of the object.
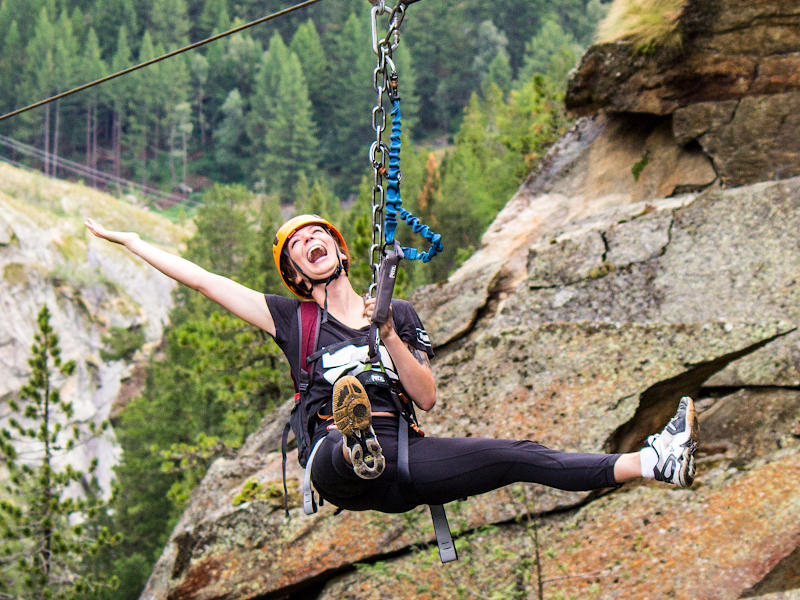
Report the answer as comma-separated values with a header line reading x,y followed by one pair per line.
x,y
422,338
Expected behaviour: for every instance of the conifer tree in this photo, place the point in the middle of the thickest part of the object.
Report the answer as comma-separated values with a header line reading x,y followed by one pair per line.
x,y
10,57
91,67
43,510
551,52
213,19
230,139
37,80
307,45
108,17
350,134
120,97
169,23
283,133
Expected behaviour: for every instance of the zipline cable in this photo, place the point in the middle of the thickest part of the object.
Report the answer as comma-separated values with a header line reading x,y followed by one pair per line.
x,y
147,63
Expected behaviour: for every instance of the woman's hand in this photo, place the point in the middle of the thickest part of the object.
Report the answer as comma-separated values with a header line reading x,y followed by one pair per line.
x,y
385,329
118,237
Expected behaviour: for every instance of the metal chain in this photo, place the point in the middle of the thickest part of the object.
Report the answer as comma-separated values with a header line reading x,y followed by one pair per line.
x,y
378,153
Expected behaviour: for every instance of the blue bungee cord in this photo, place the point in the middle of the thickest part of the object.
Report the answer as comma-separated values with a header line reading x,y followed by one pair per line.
x,y
394,203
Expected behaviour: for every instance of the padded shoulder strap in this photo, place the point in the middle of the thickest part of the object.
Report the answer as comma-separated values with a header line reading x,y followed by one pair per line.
x,y
308,318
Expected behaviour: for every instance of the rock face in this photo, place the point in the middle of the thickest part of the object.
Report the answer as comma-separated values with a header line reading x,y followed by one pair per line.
x,y
579,323
733,89
46,257
641,262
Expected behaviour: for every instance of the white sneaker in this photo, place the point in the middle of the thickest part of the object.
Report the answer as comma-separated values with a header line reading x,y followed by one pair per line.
x,y
675,446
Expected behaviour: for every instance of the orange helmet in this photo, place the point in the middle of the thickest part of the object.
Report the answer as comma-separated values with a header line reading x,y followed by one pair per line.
x,y
282,262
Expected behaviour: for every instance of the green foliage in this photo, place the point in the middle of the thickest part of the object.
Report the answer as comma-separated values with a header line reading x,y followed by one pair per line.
x,y
46,513
280,128
121,343
213,380
503,138
639,165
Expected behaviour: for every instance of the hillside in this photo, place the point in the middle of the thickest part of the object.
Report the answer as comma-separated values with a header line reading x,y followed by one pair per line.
x,y
47,257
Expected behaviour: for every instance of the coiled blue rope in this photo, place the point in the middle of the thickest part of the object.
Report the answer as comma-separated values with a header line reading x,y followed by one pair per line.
x,y
394,201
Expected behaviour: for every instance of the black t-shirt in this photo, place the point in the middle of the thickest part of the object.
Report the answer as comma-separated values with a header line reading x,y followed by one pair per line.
x,y
349,359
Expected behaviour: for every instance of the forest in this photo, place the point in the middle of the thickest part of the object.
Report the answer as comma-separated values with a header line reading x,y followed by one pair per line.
x,y
236,135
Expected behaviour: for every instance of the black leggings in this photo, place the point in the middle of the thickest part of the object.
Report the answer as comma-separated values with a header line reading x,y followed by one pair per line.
x,y
446,469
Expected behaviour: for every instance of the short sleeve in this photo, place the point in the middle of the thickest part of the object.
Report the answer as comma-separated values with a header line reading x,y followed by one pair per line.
x,y
409,326
284,315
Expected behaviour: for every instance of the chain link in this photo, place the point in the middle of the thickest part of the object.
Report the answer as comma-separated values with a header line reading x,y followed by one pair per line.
x,y
378,153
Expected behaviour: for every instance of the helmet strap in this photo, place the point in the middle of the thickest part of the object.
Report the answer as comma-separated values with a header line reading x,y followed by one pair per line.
x,y
326,280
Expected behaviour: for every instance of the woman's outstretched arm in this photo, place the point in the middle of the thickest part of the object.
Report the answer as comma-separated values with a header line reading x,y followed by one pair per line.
x,y
245,303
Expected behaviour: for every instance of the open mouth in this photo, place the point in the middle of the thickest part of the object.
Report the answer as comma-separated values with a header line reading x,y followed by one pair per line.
x,y
316,252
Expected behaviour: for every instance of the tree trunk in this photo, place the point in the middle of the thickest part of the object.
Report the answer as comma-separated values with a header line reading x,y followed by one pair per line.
x,y
55,138
46,158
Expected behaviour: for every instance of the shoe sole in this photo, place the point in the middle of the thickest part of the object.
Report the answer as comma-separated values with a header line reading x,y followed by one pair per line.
x,y
688,468
352,414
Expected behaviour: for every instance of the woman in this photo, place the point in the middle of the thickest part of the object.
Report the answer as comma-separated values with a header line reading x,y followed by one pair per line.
x,y
355,465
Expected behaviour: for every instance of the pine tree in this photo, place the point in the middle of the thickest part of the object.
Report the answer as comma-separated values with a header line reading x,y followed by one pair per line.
x,y
42,521
119,92
283,133
108,17
10,58
307,45
213,19
348,137
230,138
37,81
91,67
551,52
169,23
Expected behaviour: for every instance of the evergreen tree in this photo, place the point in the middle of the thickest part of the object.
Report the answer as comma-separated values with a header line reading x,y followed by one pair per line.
x,y
120,95
143,114
307,45
24,12
65,71
108,17
347,138
168,24
42,514
10,58
213,19
551,52
90,68
230,139
409,100
282,131
38,80
317,199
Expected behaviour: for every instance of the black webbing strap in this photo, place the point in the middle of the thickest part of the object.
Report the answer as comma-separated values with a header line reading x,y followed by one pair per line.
x,y
447,549
284,442
444,539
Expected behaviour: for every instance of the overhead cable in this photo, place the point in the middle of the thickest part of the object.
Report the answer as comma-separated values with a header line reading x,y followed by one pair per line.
x,y
147,63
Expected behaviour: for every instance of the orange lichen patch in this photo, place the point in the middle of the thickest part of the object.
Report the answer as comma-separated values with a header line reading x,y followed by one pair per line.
x,y
644,541
689,544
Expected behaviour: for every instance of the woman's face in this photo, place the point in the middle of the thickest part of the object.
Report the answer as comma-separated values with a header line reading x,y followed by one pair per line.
x,y
314,250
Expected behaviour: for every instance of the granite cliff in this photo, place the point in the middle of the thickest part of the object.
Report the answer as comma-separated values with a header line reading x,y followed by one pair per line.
x,y
90,287
653,254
